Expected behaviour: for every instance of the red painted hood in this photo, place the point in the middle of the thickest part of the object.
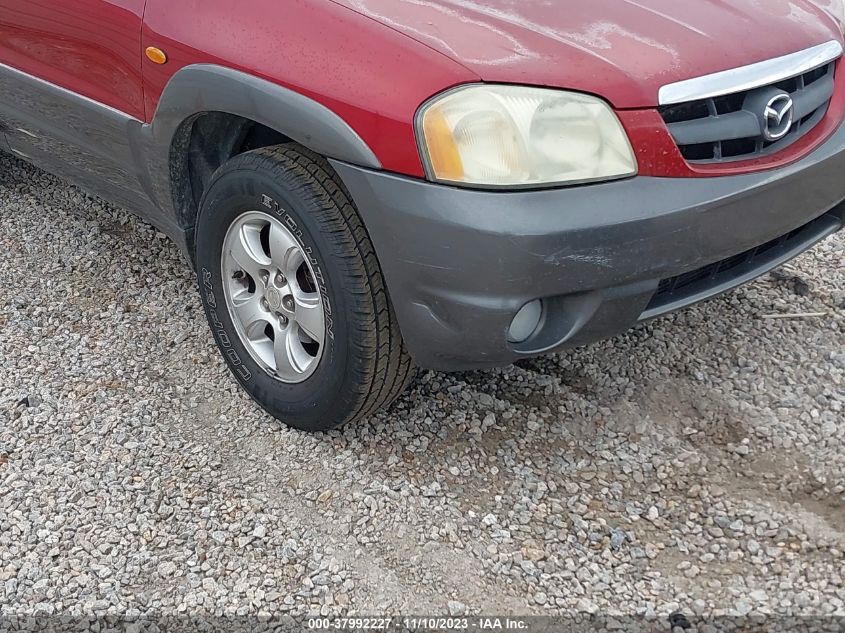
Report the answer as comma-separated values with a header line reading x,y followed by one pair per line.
x,y
623,50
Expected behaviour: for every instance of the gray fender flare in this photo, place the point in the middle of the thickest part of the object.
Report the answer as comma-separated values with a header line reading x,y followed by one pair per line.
x,y
210,88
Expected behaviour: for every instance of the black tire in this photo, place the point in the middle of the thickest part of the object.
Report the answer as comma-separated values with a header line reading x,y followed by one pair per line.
x,y
364,365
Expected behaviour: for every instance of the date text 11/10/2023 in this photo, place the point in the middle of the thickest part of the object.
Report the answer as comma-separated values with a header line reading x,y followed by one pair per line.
x,y
420,623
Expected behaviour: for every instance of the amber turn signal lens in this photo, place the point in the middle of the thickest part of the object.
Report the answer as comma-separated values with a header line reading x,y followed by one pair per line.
x,y
446,162
156,55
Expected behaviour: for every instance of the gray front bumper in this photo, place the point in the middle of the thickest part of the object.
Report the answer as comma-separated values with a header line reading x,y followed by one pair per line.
x,y
461,263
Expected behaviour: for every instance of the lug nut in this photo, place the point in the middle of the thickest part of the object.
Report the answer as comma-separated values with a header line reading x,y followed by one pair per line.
x,y
283,320
265,277
280,279
265,305
288,303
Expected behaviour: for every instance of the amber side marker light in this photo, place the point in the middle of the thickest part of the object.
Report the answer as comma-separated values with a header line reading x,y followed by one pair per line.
x,y
156,55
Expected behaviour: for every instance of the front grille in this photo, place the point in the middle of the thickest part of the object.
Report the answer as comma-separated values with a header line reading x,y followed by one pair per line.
x,y
722,268
717,277
731,127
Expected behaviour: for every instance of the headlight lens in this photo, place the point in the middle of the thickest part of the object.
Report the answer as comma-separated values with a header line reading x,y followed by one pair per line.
x,y
513,136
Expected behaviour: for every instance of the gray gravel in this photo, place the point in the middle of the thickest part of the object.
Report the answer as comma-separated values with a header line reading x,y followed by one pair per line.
x,y
695,463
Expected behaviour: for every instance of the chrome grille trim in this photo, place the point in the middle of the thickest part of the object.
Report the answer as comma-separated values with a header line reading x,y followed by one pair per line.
x,y
750,77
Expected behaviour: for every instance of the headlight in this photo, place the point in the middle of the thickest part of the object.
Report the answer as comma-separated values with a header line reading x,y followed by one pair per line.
x,y
513,136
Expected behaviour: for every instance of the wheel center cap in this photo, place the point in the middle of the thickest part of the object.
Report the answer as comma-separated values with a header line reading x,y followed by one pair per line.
x,y
274,298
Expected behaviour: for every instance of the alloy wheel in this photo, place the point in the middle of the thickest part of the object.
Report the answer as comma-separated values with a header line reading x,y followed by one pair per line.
x,y
273,298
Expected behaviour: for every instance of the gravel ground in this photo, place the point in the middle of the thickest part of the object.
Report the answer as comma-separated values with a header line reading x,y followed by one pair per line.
x,y
695,463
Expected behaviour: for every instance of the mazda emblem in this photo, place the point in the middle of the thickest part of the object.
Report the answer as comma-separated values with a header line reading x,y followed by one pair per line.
x,y
778,117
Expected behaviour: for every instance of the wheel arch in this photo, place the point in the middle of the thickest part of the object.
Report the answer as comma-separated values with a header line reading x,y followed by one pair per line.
x,y
230,103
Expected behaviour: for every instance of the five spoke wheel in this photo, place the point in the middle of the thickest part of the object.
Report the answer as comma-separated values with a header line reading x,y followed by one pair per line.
x,y
273,298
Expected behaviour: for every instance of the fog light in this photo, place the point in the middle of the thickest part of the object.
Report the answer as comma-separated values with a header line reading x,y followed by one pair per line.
x,y
525,322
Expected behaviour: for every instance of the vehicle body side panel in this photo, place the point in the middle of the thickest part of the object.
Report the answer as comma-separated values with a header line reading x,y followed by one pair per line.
x,y
127,161
91,47
368,74
71,95
101,139
93,145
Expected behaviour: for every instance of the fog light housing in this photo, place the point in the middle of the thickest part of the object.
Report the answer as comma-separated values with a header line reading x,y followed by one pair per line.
x,y
525,322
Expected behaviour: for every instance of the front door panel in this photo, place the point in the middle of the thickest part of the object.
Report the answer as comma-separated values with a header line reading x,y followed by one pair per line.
x,y
90,47
71,95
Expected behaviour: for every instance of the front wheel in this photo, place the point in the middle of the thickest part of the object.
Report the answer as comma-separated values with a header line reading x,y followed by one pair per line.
x,y
294,293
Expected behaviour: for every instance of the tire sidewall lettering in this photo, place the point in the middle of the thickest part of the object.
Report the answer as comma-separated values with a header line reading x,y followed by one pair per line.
x,y
269,203
219,329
